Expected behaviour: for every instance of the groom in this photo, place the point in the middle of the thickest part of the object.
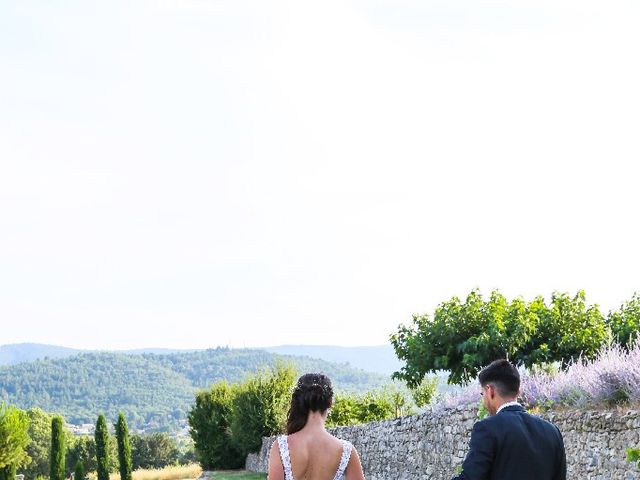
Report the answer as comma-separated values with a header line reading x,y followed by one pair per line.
x,y
510,444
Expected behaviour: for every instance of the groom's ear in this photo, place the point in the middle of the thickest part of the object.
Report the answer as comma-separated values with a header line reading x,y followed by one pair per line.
x,y
492,391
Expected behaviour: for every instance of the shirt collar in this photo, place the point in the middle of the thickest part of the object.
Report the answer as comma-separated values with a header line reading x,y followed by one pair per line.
x,y
508,404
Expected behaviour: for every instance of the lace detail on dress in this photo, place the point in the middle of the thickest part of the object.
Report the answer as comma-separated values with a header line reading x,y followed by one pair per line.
x,y
283,446
284,456
344,460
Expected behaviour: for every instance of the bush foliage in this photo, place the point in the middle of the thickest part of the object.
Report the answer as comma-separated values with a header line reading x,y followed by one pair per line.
x,y
462,337
14,438
228,421
260,407
210,421
382,404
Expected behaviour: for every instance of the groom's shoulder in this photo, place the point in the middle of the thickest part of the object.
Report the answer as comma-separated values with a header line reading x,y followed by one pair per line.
x,y
507,416
515,415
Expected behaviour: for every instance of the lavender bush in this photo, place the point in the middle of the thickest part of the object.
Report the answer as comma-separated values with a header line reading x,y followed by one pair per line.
x,y
611,378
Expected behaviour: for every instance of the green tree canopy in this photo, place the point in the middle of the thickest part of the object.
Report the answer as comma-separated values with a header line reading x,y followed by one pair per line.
x,y
156,450
14,437
40,445
79,471
58,450
102,448
83,448
260,407
382,404
425,392
462,337
625,323
209,422
124,447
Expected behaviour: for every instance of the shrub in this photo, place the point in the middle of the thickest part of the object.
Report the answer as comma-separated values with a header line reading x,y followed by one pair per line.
x,y
425,393
260,407
209,421
611,378
382,404
155,450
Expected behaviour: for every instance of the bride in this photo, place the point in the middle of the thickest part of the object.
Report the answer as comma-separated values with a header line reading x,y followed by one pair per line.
x,y
308,451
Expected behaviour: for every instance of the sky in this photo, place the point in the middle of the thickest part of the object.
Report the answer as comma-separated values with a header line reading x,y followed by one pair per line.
x,y
197,173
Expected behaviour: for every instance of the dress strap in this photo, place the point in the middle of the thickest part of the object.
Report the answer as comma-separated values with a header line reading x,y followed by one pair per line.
x,y
283,446
344,460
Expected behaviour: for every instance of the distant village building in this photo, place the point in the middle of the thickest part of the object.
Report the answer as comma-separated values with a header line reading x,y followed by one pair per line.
x,y
82,429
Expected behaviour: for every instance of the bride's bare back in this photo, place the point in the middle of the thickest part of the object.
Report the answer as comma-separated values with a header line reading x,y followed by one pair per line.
x,y
314,454
309,452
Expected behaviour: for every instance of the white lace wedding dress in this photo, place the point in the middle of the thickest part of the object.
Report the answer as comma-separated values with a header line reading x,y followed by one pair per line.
x,y
283,446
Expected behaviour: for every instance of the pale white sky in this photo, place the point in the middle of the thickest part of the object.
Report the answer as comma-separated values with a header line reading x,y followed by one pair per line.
x,y
193,173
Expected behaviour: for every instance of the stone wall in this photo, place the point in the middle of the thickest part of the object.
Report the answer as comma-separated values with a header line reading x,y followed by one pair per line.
x,y
432,445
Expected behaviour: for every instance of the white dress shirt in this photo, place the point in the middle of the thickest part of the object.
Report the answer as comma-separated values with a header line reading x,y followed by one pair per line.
x,y
508,404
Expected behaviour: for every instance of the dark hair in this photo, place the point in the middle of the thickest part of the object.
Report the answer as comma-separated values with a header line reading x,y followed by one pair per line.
x,y
503,375
313,393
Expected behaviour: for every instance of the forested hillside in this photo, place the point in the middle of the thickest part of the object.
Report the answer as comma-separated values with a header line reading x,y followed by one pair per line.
x,y
154,391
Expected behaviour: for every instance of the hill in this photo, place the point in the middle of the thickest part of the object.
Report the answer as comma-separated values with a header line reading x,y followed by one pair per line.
x,y
27,352
155,391
379,358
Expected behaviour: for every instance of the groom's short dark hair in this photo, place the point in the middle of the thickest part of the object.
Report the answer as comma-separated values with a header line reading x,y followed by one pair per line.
x,y
503,375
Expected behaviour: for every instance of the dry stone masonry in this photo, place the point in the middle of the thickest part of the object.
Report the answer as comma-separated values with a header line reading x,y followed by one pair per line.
x,y
432,445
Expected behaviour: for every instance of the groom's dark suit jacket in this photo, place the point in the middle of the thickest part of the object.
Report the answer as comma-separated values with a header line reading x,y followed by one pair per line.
x,y
514,445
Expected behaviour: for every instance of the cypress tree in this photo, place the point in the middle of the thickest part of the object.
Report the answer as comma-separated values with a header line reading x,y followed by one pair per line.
x,y
57,458
102,448
8,472
124,447
79,473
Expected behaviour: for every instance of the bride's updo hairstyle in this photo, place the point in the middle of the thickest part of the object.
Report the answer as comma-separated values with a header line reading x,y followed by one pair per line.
x,y
313,393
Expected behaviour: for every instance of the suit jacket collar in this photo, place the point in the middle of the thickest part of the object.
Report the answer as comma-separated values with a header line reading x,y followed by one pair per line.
x,y
511,407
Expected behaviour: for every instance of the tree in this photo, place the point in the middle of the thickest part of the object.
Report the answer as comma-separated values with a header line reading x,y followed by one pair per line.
x,y
156,450
124,447
344,411
102,448
625,323
209,422
260,407
58,450
8,472
79,472
424,393
463,337
373,406
14,438
83,449
39,448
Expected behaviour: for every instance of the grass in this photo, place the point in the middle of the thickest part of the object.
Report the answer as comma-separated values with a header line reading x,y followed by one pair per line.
x,y
185,472
175,472
238,476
